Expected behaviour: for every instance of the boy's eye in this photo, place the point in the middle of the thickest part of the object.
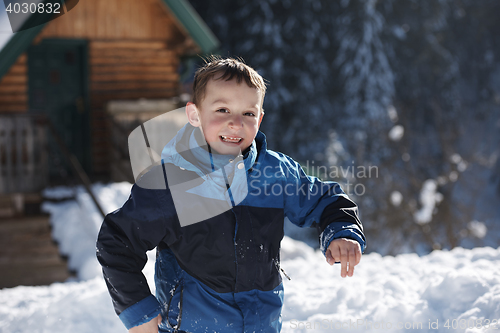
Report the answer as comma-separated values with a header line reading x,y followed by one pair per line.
x,y
251,114
222,110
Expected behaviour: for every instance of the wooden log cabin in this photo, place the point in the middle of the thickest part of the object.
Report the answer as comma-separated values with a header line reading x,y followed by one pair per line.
x,y
59,77
70,68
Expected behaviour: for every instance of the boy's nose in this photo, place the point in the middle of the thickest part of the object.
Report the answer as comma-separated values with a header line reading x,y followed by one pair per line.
x,y
236,122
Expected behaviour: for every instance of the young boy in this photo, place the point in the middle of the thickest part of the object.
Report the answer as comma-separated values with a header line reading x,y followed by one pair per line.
x,y
215,209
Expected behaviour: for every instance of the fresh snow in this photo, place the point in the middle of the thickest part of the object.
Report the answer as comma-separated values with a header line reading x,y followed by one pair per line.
x,y
386,294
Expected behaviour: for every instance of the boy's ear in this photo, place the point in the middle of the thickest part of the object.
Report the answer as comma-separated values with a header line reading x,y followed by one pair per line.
x,y
192,114
261,116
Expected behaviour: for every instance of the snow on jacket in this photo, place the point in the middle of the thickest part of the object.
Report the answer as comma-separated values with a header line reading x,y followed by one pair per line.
x,y
219,274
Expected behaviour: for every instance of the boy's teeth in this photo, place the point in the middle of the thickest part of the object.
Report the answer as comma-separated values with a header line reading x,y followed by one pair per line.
x,y
230,139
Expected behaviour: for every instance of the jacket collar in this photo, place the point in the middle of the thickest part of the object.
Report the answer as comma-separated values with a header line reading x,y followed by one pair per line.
x,y
186,151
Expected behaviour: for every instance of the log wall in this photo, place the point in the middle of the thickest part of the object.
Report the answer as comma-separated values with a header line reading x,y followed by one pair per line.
x,y
126,71
13,88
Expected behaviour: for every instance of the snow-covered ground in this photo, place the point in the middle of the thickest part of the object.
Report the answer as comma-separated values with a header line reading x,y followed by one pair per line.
x,y
441,292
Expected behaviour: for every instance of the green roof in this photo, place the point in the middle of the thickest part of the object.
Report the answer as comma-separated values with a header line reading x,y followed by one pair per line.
x,y
194,25
182,9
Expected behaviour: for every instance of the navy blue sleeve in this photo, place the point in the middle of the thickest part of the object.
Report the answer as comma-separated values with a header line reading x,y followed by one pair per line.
x,y
340,220
125,236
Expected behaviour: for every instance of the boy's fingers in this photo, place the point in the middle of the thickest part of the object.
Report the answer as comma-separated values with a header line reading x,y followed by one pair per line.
x,y
336,255
358,254
347,253
333,259
343,263
352,262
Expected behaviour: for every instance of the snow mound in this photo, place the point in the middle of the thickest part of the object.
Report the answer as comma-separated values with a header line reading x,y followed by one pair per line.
x,y
440,292
393,294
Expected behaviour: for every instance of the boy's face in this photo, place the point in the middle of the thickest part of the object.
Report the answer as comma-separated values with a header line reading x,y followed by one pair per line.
x,y
229,115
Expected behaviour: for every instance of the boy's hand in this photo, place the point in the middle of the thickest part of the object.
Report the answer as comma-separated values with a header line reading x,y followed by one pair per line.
x,y
149,327
346,251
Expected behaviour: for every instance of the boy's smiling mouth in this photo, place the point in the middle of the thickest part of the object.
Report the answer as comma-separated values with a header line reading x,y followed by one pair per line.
x,y
231,139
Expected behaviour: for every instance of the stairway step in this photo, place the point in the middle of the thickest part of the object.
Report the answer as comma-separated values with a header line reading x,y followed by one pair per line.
x,y
24,223
39,259
28,254
25,239
20,204
21,274
25,234
41,248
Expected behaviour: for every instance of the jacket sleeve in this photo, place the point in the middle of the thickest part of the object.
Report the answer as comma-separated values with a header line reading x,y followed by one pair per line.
x,y
125,236
311,202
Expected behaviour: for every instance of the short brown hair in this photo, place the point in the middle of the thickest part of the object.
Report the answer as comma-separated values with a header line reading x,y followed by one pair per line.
x,y
229,68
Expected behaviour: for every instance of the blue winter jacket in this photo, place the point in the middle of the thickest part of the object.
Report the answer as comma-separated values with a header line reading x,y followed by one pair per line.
x,y
217,223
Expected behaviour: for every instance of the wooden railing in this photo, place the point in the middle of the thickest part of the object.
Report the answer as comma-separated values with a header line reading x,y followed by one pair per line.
x,y
23,154
24,151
